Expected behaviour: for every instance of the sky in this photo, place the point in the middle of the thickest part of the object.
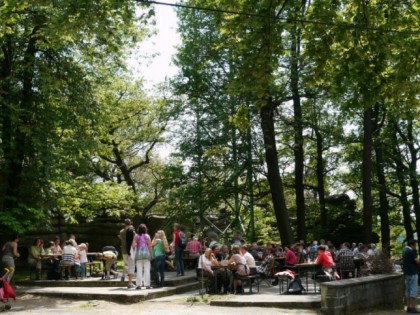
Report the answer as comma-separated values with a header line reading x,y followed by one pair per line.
x,y
161,46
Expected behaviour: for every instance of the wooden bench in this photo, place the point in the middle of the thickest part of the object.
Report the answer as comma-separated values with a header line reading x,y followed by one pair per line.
x,y
282,280
250,280
204,285
94,265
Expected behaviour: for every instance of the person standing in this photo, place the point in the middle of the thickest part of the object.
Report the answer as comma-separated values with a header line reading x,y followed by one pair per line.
x,y
35,257
82,251
126,237
160,247
179,250
143,246
410,268
10,252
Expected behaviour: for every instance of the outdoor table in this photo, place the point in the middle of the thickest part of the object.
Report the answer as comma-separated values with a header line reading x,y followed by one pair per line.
x,y
95,262
280,263
50,256
307,268
222,268
190,261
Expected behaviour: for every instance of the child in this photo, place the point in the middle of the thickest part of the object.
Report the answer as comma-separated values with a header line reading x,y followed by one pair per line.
x,y
83,260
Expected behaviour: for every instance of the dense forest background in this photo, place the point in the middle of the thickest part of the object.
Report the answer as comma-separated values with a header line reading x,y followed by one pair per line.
x,y
288,119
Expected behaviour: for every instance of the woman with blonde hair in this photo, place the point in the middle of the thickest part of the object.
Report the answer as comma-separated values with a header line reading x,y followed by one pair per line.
x,y
160,248
241,268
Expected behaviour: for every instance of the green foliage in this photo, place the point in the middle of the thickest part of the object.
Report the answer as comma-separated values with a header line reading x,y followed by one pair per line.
x,y
53,56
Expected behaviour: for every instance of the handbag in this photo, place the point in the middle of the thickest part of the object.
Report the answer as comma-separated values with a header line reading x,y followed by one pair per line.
x,y
142,253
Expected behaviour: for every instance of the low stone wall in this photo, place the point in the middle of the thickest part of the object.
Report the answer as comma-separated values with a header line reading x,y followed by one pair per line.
x,y
359,295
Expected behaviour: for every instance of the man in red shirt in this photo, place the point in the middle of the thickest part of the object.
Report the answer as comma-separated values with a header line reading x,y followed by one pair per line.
x,y
290,257
324,258
194,247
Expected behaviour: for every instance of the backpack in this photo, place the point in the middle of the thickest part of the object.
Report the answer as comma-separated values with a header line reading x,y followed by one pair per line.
x,y
182,243
295,286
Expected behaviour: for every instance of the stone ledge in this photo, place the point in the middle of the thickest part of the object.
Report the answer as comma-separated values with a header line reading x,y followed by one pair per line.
x,y
359,295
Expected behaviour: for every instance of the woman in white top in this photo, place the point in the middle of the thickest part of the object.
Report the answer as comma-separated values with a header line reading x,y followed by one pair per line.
x,y
205,262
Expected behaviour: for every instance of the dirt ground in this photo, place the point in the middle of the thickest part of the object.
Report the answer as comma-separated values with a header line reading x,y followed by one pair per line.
x,y
29,304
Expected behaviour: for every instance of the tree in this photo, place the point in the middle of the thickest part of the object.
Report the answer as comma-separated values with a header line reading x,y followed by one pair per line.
x,y
132,126
359,63
53,53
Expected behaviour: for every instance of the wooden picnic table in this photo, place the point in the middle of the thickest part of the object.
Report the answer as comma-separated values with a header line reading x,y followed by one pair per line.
x,y
222,271
306,269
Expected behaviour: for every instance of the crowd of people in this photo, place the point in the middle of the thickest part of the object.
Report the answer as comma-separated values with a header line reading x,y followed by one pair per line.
x,y
145,256
63,257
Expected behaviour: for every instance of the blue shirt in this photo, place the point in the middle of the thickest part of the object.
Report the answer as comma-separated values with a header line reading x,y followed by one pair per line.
x,y
409,261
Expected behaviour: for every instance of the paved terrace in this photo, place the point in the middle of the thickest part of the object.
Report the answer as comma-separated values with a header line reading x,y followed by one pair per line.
x,y
116,291
184,288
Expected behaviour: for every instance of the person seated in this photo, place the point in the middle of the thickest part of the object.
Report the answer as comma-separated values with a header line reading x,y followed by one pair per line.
x,y
372,250
49,249
291,259
194,247
241,268
250,261
224,251
279,251
204,268
67,259
265,268
326,261
56,249
255,251
362,252
313,250
109,255
300,252
35,257
345,259
215,247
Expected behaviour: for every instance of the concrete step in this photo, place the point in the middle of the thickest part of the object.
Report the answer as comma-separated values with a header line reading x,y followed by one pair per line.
x,y
114,294
171,280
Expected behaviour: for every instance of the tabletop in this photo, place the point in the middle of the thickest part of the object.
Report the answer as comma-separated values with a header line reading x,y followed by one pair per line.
x,y
230,267
307,265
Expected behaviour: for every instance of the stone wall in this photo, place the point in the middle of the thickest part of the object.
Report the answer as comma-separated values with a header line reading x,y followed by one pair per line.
x,y
359,295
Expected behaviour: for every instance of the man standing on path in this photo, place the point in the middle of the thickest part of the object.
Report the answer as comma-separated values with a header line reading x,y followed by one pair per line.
x,y
126,237
410,268
179,250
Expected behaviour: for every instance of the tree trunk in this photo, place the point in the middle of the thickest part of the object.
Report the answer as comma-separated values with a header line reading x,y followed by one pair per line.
x,y
414,183
273,173
383,199
16,144
320,179
6,121
298,135
401,171
367,175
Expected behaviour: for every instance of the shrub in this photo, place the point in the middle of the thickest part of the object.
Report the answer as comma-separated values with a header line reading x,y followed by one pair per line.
x,y
377,264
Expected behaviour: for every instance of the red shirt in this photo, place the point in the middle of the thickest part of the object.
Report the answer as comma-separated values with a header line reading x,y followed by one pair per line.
x,y
290,258
176,238
325,259
194,247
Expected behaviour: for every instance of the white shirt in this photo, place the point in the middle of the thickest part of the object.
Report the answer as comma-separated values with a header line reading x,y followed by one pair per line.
x,y
204,261
250,261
